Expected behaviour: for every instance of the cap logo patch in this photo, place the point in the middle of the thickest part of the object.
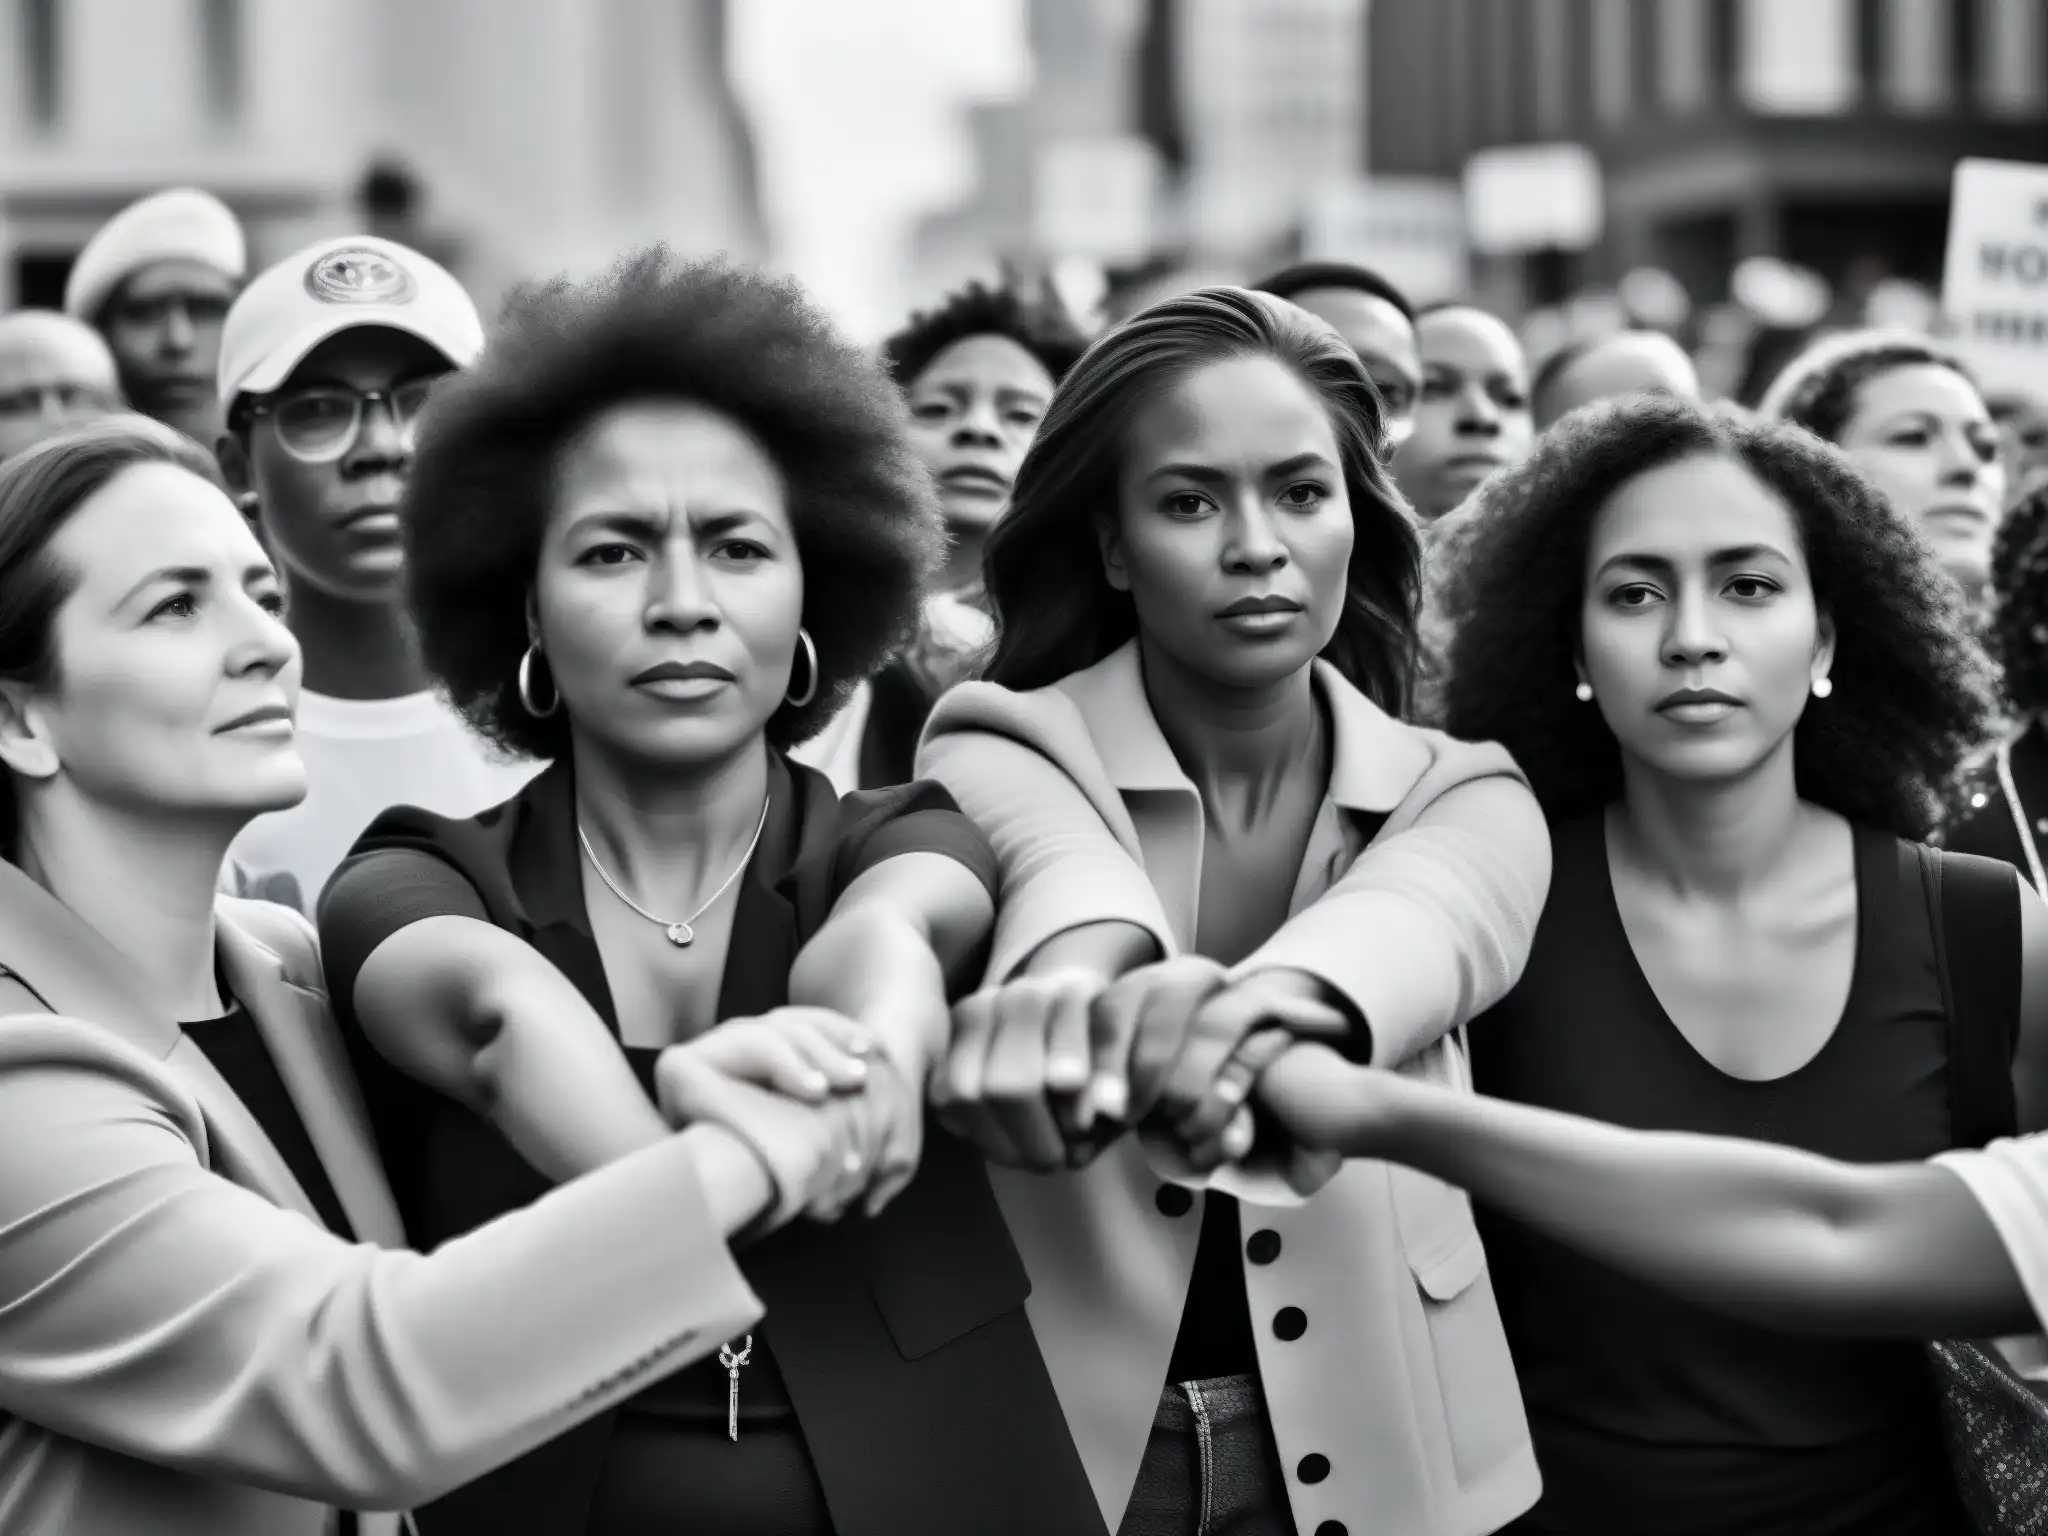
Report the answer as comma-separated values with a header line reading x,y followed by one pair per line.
x,y
358,275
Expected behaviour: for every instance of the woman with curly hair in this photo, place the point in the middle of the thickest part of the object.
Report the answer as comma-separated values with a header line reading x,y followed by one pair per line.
x,y
210,1324
1742,692
978,372
1909,416
1216,834
657,536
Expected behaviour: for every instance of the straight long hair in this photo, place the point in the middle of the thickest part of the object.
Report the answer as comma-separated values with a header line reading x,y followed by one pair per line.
x,y
1056,612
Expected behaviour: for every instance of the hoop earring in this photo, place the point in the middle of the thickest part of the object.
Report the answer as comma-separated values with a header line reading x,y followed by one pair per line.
x,y
810,692
526,686
1583,693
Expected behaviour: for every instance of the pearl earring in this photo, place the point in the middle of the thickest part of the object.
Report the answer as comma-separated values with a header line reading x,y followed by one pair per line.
x,y
1584,693
1822,687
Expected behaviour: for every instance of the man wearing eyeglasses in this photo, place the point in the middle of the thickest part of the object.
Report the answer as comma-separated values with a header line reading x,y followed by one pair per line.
x,y
326,362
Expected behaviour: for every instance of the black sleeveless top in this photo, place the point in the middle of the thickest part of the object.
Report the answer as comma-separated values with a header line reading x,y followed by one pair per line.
x,y
903,1389
1651,1414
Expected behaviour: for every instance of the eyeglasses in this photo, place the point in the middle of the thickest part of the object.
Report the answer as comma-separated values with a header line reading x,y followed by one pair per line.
x,y
320,424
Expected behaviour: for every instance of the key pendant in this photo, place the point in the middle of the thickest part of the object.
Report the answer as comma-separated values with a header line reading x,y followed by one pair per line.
x,y
732,1363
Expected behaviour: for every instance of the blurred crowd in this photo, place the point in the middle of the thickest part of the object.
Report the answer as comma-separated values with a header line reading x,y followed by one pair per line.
x,y
513,828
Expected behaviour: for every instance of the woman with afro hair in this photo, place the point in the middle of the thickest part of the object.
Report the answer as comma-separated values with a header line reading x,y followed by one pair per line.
x,y
978,373
1742,691
657,536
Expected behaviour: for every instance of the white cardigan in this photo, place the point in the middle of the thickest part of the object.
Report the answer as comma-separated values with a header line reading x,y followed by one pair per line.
x,y
1402,1378
2010,1180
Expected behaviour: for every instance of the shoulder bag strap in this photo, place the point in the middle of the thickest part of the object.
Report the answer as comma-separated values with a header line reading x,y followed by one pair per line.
x,y
1977,955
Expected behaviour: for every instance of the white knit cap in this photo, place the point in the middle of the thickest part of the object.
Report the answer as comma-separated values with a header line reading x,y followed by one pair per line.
x,y
183,224
353,282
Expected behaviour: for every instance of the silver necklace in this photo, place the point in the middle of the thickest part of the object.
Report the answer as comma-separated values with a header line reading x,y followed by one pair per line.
x,y
680,933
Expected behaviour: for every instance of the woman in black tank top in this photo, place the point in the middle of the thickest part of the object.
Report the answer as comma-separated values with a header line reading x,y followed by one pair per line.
x,y
1741,690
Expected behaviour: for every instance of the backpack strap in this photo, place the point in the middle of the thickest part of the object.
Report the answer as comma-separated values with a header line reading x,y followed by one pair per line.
x,y
1975,903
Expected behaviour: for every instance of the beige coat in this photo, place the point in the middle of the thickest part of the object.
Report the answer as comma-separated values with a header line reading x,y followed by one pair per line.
x,y
185,1350
1402,1378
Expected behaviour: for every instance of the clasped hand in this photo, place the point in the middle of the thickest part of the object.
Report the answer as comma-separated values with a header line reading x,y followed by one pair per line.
x,y
1044,1072
820,1102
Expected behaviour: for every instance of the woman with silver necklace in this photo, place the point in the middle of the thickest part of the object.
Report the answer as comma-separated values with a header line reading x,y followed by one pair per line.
x,y
658,536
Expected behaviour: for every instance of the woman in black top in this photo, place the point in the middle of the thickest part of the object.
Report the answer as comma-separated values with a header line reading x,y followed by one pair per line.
x,y
978,372
2006,813
658,536
208,1322
1775,691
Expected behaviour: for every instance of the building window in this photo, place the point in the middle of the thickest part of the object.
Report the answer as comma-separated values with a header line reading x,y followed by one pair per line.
x,y
2012,57
1917,60
220,57
1798,57
1682,55
42,58
1613,59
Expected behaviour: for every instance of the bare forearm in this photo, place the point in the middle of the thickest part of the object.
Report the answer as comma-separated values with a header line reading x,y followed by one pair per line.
x,y
1768,1233
477,1015
736,1184
873,965
1105,950
556,1086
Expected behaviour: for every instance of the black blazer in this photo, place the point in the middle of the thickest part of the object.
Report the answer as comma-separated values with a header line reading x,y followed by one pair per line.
x,y
903,1342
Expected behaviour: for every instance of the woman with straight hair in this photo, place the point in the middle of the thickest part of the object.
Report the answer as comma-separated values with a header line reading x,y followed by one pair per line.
x,y
209,1324
657,536
1216,835
1743,692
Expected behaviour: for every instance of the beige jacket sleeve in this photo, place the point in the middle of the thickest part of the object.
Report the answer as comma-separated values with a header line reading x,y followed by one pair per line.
x,y
160,1310
1062,865
1432,923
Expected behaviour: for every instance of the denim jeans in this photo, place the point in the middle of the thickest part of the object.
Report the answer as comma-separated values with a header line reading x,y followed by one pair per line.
x,y
1211,1467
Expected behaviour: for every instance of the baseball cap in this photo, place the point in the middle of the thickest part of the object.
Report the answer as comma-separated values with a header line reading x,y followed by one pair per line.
x,y
344,284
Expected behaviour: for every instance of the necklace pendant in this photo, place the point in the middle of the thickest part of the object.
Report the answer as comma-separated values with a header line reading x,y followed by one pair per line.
x,y
682,935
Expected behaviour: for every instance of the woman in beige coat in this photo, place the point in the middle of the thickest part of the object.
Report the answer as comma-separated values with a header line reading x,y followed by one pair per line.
x,y
1211,823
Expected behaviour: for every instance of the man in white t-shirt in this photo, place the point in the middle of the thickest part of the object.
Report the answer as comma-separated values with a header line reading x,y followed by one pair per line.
x,y
326,361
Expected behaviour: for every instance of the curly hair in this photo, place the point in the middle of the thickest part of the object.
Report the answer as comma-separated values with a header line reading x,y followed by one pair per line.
x,y
866,520
1914,694
1817,389
2019,581
1040,326
1055,610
